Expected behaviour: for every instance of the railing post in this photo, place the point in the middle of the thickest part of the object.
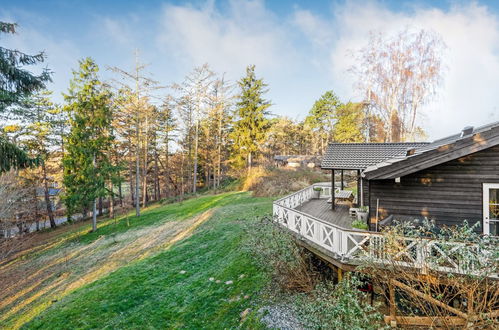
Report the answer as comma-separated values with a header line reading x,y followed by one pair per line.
x,y
284,208
343,240
291,220
317,233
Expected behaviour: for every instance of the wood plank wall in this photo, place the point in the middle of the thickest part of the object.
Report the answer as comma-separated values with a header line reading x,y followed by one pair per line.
x,y
449,193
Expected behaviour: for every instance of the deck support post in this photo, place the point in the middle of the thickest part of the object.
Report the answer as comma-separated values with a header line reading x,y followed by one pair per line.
x,y
340,274
470,309
393,307
332,190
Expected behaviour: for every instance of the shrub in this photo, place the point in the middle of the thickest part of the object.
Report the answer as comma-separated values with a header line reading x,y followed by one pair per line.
x,y
339,306
273,182
359,224
276,251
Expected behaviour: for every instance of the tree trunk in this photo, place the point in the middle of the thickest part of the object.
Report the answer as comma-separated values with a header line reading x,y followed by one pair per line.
x,y
144,172
47,196
94,206
111,207
137,179
37,219
111,201
195,173
100,205
157,192
120,192
132,186
167,164
94,215
182,192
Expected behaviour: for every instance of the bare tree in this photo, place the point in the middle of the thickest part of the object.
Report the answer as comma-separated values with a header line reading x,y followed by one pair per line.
x,y
466,294
221,100
398,75
192,105
17,203
139,88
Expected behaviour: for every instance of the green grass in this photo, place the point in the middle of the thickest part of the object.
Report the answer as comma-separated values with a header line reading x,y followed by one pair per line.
x,y
153,293
158,214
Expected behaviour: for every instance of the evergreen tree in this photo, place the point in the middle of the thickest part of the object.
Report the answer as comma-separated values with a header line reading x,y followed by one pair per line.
x,y
321,119
87,168
350,122
252,123
15,84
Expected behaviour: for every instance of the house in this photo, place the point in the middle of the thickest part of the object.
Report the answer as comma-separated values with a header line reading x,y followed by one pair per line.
x,y
297,161
449,180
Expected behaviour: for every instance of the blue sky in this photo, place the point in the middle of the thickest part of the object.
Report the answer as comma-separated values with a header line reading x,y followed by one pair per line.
x,y
301,48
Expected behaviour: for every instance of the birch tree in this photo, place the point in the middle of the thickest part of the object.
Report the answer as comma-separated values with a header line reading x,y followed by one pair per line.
x,y
398,76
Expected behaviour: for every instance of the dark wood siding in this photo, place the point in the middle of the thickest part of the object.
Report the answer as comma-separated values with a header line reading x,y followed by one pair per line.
x,y
365,189
448,193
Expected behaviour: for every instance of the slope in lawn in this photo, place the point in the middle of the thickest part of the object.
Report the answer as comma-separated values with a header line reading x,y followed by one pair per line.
x,y
203,281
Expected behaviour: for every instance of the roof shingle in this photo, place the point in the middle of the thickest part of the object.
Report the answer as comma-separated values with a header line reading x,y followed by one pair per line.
x,y
358,156
427,149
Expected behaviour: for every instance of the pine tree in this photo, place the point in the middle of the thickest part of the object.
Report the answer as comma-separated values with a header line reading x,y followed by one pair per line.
x,y
16,83
349,126
252,123
87,168
321,119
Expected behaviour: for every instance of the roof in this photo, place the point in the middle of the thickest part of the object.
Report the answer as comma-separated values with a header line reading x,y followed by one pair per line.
x,y
358,156
468,141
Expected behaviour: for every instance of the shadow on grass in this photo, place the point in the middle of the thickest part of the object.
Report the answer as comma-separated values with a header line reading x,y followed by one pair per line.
x,y
41,280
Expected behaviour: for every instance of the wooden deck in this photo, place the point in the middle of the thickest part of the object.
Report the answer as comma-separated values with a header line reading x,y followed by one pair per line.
x,y
321,209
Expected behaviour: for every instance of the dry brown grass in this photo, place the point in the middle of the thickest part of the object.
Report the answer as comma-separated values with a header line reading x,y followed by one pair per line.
x,y
270,182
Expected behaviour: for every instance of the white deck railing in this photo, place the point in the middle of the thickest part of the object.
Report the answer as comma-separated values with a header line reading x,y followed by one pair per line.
x,y
354,247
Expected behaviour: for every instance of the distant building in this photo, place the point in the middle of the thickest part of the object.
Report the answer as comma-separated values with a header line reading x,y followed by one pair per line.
x,y
53,196
297,161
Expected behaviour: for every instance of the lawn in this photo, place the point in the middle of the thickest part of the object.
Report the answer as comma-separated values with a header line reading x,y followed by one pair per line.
x,y
179,265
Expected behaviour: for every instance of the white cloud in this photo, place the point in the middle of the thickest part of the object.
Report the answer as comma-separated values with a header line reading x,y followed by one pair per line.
x,y
247,33
469,95
300,54
117,31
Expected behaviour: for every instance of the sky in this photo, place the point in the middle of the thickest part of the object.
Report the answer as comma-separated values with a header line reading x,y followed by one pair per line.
x,y
300,48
